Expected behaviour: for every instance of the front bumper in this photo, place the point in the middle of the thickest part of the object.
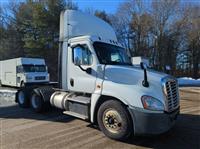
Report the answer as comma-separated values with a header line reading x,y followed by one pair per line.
x,y
148,122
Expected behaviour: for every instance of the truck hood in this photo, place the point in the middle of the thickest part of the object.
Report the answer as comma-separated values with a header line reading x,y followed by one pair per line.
x,y
131,75
125,83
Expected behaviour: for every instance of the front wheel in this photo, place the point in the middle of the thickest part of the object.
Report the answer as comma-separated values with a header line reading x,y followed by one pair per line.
x,y
37,102
114,120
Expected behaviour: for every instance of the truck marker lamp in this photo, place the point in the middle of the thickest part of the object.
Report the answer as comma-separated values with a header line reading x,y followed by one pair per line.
x,y
151,103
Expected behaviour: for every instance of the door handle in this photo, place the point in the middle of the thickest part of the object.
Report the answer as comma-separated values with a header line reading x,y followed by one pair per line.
x,y
72,82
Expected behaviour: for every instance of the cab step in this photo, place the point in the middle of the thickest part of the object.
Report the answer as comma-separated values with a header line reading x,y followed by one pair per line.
x,y
84,117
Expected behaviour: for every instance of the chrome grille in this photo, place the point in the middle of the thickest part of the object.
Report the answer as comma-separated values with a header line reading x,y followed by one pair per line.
x,y
170,87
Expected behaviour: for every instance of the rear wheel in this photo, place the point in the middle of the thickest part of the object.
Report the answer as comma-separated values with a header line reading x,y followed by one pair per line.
x,y
37,102
22,99
114,120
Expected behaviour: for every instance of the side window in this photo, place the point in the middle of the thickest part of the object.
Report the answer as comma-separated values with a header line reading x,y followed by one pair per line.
x,y
19,69
82,55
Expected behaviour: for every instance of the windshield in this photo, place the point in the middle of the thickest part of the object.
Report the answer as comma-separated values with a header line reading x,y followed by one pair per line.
x,y
110,54
33,68
28,68
40,68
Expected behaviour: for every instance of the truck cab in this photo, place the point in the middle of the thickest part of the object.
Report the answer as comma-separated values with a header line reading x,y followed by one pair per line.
x,y
98,83
87,58
19,72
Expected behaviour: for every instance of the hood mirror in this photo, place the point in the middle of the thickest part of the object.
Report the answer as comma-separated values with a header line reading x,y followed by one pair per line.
x,y
145,82
143,65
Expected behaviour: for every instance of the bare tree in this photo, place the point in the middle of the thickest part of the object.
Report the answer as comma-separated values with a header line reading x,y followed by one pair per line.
x,y
193,37
141,26
121,23
164,13
103,15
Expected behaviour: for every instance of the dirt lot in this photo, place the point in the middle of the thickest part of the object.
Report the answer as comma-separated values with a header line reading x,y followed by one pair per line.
x,y
22,128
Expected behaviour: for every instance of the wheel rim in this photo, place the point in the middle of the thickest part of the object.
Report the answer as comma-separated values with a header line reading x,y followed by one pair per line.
x,y
35,101
21,97
112,120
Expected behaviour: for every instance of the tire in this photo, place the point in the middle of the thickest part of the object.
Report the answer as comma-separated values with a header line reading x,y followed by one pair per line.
x,y
22,99
37,103
114,120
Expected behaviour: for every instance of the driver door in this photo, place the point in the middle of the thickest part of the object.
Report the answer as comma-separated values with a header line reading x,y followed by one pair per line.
x,y
81,74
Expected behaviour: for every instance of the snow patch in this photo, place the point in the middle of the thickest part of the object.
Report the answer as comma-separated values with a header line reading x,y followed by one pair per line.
x,y
7,91
7,96
188,81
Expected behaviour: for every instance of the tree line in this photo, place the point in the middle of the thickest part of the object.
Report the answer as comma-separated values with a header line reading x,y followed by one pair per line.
x,y
167,32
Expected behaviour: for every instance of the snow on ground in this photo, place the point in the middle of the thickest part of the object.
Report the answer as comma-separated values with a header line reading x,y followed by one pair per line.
x,y
188,81
7,96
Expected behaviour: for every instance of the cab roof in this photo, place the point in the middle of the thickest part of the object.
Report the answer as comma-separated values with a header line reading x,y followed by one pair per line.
x,y
75,23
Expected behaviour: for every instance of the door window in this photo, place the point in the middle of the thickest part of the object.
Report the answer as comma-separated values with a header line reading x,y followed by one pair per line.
x,y
82,55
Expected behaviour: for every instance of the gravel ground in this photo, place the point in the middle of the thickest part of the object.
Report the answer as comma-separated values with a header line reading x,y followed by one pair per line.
x,y
24,129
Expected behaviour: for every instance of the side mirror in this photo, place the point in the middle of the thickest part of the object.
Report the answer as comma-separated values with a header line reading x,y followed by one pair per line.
x,y
82,56
143,65
77,55
77,61
46,69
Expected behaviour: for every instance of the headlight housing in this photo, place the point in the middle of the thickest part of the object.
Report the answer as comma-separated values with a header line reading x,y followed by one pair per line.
x,y
152,103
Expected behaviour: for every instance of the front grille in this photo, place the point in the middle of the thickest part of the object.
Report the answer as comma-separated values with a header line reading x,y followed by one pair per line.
x,y
170,87
40,78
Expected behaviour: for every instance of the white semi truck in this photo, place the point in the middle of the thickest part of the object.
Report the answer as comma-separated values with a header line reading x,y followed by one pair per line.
x,y
20,71
98,83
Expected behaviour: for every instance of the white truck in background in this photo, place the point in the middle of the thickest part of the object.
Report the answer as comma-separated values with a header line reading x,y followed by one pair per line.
x,y
21,71
98,83
136,61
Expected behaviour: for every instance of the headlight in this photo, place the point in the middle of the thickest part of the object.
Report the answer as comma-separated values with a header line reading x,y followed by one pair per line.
x,y
151,103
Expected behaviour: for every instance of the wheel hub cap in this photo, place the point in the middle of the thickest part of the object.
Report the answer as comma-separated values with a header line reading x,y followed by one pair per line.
x,y
112,120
